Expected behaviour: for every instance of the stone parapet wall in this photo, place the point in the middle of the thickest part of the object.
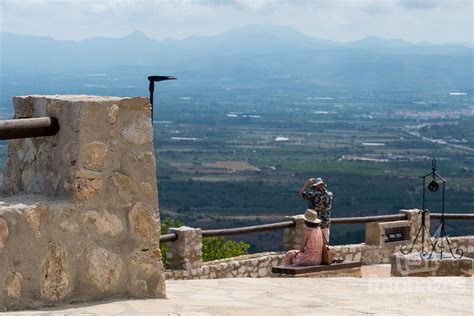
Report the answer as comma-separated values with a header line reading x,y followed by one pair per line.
x,y
260,265
186,258
412,265
80,218
250,266
367,254
465,243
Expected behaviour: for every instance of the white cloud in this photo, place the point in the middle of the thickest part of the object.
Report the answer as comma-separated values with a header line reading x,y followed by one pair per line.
x,y
344,20
432,4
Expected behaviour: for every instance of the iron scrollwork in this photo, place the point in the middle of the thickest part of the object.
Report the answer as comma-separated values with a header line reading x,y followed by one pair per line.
x,y
438,243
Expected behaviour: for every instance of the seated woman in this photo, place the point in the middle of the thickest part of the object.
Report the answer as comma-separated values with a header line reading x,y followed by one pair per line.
x,y
312,246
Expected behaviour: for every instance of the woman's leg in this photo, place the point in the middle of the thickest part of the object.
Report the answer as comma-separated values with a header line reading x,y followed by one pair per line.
x,y
290,257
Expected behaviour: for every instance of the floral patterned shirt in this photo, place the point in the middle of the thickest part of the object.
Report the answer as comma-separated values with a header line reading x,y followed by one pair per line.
x,y
321,202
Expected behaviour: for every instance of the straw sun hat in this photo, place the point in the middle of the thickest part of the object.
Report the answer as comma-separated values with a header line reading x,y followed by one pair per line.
x,y
311,216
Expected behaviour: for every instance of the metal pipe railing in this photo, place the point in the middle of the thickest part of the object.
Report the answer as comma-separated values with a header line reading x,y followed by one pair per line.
x,y
168,237
452,216
28,127
288,224
368,219
247,230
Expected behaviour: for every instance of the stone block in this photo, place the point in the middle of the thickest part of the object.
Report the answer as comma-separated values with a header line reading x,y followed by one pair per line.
x,y
12,284
113,113
105,223
104,269
54,277
86,189
144,223
413,265
3,234
93,156
186,251
35,216
139,132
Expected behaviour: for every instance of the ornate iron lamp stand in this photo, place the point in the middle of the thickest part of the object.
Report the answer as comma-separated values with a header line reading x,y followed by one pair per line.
x,y
423,231
441,238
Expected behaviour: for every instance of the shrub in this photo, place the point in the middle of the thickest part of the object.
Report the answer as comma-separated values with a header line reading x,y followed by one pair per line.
x,y
213,248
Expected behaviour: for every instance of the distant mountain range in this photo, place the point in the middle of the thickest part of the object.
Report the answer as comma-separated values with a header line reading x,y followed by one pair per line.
x,y
251,53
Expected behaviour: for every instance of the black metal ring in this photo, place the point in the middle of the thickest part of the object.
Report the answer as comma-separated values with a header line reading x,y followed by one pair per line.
x,y
433,186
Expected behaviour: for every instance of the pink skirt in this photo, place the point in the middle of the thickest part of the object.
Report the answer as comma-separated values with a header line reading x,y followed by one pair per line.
x,y
298,258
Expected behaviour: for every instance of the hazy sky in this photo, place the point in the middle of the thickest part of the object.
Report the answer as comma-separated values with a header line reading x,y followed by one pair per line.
x,y
435,21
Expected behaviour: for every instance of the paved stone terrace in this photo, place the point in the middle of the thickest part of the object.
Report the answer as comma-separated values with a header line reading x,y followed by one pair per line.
x,y
281,296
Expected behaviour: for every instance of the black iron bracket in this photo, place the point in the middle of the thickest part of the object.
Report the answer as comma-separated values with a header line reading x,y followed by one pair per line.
x,y
152,80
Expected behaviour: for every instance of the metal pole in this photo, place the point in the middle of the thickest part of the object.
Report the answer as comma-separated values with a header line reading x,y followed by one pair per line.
x,y
152,90
424,184
151,87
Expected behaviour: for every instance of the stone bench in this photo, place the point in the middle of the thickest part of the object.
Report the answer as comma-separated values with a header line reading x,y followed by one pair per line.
x,y
335,269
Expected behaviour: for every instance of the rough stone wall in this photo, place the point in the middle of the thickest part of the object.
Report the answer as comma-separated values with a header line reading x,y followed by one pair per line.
x,y
80,219
185,261
465,243
248,266
260,265
412,265
367,254
377,251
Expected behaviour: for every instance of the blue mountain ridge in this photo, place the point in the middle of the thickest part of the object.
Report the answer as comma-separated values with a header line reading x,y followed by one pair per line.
x,y
259,52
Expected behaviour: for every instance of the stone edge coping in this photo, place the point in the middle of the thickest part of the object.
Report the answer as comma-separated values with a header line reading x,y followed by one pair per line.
x,y
23,202
415,257
79,97
245,257
133,103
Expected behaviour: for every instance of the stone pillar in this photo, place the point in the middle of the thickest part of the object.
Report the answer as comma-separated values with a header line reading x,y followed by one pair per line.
x,y
293,237
375,232
415,217
81,221
185,253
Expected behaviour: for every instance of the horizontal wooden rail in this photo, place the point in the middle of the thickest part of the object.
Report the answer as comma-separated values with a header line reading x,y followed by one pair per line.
x,y
168,237
246,230
28,127
453,216
288,224
368,219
